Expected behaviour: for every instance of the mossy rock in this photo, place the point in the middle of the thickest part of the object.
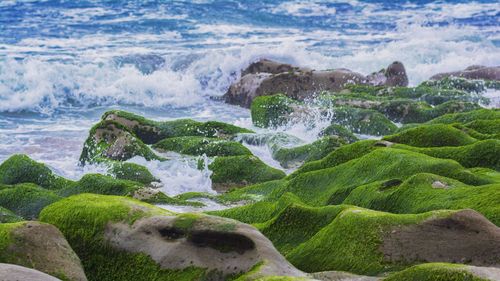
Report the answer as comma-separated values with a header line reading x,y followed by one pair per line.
x,y
466,117
432,136
110,140
7,216
295,156
120,238
482,126
369,242
362,121
132,172
425,192
19,168
101,184
457,83
39,246
237,171
445,272
478,154
339,131
339,156
271,111
27,200
202,145
319,188
150,131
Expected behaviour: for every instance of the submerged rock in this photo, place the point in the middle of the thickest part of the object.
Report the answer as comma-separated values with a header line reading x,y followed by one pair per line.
x,y
266,77
39,246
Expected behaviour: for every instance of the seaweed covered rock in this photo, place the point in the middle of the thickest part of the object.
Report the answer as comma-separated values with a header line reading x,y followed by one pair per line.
x,y
318,187
132,172
110,140
11,272
27,200
237,171
120,238
467,117
425,192
340,132
8,216
101,184
445,272
39,246
272,111
432,136
19,168
150,131
295,156
202,145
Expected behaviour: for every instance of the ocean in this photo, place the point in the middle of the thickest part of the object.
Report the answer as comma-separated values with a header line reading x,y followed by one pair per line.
x,y
64,63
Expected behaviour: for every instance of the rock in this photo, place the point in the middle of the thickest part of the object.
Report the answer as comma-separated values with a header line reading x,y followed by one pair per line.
x,y
434,135
394,75
198,146
11,272
473,72
19,168
445,272
39,246
237,171
273,67
27,200
126,239
132,172
264,78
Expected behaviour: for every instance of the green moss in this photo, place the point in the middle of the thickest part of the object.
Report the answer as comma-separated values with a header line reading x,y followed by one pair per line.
x,y
466,117
202,145
132,172
485,126
435,272
362,121
101,184
162,198
431,136
7,216
6,238
309,152
339,131
341,155
332,185
479,154
242,170
271,111
19,168
425,192
251,193
186,221
27,200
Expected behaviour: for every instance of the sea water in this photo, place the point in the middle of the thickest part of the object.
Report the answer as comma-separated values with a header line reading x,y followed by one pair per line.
x,y
64,63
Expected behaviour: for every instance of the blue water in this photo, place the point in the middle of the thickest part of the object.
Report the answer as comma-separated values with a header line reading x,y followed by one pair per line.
x,y
63,63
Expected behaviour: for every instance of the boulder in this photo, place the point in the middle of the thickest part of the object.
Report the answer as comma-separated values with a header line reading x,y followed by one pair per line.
x,y
266,77
472,72
445,272
39,246
124,239
11,272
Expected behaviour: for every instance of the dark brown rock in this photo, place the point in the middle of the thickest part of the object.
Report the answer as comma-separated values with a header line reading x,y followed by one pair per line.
x,y
473,72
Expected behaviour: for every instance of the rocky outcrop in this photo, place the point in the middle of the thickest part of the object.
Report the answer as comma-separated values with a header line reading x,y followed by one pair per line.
x,y
11,272
267,77
473,72
40,246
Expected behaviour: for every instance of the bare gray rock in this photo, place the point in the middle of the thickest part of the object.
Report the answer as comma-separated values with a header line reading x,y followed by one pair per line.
x,y
11,272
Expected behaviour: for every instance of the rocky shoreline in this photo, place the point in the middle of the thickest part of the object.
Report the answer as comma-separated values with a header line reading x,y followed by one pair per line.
x,y
420,201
